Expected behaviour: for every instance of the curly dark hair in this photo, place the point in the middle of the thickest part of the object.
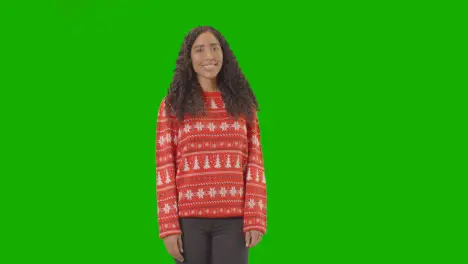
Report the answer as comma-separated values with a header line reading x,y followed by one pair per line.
x,y
184,95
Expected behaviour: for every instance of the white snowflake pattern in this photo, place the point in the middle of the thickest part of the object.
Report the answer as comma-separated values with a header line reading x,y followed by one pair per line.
x,y
162,140
167,208
233,191
251,203
236,125
200,193
212,192
189,194
224,126
223,192
187,128
199,126
211,126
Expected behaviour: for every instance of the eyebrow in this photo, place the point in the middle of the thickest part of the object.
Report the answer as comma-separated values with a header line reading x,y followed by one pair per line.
x,y
212,44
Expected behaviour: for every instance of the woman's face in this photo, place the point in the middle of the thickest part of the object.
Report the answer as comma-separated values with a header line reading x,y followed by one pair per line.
x,y
207,56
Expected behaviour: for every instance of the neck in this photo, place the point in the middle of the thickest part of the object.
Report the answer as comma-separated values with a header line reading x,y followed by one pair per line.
x,y
208,85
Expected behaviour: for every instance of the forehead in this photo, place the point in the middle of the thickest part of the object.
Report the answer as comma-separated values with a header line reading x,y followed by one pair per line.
x,y
205,38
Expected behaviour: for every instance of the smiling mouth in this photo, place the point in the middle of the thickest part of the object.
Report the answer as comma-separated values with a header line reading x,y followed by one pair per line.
x,y
210,66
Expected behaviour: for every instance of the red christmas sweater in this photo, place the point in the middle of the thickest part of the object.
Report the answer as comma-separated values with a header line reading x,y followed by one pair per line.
x,y
209,167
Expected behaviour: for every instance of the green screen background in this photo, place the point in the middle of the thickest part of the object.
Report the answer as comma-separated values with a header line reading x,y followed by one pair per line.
x,y
362,125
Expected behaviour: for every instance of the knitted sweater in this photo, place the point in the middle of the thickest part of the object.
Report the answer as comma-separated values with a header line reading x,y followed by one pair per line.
x,y
209,167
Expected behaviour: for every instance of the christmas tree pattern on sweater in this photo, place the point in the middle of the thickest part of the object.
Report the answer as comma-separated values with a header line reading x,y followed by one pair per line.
x,y
210,167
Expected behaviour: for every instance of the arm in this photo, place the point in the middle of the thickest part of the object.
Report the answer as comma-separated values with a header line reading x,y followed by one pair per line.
x,y
166,143
255,184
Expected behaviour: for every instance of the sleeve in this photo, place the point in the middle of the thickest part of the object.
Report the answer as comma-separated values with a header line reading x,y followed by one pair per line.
x,y
255,183
166,169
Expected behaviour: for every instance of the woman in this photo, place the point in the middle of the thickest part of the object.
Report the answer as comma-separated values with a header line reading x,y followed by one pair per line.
x,y
211,188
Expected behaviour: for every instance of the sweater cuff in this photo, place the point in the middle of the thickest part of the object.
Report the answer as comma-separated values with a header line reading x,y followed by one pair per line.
x,y
167,228
169,233
255,223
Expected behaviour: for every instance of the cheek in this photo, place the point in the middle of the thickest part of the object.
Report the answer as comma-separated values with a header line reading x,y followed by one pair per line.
x,y
195,65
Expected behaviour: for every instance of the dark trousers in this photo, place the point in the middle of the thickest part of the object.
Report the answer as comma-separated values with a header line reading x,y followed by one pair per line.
x,y
213,241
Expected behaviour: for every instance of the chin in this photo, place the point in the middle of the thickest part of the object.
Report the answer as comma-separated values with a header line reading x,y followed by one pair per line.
x,y
210,76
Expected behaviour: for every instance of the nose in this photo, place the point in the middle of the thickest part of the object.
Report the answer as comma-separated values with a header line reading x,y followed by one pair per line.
x,y
209,54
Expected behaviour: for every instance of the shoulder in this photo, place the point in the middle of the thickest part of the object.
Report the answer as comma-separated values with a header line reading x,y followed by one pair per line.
x,y
162,101
165,109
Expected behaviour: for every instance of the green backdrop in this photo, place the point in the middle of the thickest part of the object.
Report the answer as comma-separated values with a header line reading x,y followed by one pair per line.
x,y
362,125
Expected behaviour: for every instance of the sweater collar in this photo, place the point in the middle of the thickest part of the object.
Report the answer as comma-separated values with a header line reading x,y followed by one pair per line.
x,y
212,94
